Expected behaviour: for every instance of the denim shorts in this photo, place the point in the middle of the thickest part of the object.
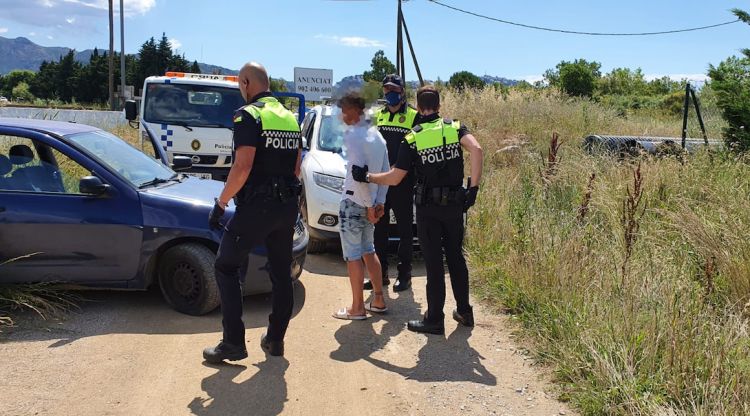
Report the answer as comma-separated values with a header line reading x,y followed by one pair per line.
x,y
356,231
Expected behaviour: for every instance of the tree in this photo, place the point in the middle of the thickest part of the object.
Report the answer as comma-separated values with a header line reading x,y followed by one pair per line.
x,y
465,79
13,78
195,69
623,81
380,67
68,73
372,90
22,92
731,81
577,78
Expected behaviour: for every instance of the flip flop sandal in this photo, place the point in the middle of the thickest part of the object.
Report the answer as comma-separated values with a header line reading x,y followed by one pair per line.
x,y
343,314
375,309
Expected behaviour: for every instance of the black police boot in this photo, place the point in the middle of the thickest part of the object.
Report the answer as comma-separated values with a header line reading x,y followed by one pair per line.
x,y
368,283
403,283
275,348
224,351
465,319
426,327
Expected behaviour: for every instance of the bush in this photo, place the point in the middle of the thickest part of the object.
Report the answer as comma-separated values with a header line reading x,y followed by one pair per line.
x,y
731,82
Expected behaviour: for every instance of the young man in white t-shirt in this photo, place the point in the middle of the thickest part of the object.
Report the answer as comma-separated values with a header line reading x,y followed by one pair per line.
x,y
361,206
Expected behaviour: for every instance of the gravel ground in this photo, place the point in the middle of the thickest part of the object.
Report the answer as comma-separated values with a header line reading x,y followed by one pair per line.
x,y
127,353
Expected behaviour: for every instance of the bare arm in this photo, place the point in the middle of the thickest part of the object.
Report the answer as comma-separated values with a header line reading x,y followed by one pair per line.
x,y
471,145
243,164
391,178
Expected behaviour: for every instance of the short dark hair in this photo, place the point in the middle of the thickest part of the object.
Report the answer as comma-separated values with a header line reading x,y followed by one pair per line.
x,y
428,98
352,99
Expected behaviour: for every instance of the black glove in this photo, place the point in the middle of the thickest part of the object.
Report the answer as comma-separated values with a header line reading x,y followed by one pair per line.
x,y
214,217
359,173
471,197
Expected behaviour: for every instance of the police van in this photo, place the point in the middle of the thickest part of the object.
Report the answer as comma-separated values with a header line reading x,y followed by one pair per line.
x,y
190,115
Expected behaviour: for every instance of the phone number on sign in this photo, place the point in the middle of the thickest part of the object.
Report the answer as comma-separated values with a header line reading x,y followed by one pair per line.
x,y
313,88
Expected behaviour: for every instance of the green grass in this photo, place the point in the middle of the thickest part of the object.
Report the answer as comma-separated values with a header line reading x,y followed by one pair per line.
x,y
663,330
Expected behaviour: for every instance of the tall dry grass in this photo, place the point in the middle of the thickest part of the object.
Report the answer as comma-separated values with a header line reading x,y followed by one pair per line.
x,y
639,306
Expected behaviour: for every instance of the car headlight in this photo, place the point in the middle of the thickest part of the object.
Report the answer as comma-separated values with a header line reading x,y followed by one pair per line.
x,y
333,183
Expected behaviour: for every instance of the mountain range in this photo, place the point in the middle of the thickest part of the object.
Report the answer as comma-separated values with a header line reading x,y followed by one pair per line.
x,y
22,53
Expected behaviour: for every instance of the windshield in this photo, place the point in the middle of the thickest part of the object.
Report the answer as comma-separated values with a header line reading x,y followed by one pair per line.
x,y
130,162
331,137
191,105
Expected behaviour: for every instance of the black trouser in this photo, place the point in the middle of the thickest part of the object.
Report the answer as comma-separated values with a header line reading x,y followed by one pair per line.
x,y
400,199
442,228
260,221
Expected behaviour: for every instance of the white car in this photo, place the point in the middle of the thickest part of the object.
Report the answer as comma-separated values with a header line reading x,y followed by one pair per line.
x,y
3,99
323,172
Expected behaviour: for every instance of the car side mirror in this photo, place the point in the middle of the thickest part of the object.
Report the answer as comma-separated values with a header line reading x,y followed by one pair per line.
x,y
91,185
131,110
181,163
304,143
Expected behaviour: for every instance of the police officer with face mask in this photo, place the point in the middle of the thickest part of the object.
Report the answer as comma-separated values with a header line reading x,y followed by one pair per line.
x,y
434,151
263,182
394,121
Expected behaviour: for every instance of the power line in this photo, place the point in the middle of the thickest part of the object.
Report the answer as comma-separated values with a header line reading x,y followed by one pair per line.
x,y
574,32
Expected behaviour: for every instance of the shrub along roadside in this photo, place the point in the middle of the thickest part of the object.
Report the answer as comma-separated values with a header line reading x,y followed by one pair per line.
x,y
638,306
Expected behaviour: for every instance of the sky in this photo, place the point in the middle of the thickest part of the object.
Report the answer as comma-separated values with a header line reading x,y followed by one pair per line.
x,y
344,35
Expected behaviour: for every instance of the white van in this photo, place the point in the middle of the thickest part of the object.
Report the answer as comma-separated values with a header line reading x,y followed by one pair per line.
x,y
191,116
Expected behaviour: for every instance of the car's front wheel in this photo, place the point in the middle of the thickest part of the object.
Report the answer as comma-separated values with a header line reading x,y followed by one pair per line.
x,y
187,279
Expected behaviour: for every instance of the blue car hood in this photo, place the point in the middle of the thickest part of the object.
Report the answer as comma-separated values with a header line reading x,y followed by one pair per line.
x,y
183,205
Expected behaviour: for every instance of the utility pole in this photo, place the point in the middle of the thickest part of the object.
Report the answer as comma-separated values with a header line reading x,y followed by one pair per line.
x,y
122,55
111,58
400,60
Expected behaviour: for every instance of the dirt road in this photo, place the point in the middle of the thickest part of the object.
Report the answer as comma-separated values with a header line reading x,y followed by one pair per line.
x,y
129,354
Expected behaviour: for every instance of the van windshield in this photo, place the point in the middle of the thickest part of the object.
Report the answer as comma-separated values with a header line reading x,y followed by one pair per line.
x,y
191,105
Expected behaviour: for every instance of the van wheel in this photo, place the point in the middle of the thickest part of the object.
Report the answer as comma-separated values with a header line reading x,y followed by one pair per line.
x,y
187,279
314,245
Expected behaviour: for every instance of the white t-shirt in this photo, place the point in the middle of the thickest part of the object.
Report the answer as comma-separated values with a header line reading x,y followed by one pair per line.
x,y
364,145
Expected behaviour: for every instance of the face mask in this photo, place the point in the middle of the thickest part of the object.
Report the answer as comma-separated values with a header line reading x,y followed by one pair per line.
x,y
393,98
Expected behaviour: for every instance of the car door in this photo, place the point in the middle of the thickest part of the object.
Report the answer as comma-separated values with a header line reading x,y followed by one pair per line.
x,y
52,230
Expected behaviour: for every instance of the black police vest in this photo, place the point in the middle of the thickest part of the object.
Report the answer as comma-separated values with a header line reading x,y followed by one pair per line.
x,y
440,161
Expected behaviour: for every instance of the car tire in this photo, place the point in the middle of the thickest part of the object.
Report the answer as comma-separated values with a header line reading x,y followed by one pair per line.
x,y
187,279
314,245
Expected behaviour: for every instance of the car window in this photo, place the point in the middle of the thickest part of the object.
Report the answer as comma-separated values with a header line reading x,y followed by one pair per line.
x,y
70,172
30,166
331,135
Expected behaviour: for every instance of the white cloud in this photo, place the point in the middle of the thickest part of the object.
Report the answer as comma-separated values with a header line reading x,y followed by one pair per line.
x,y
678,77
50,37
86,14
3,30
531,78
176,44
32,33
353,41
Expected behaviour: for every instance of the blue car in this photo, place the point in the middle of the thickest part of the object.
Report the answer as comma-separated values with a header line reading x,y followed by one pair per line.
x,y
79,205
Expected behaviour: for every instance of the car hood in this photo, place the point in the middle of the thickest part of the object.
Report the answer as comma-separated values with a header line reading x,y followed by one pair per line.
x,y
331,163
183,205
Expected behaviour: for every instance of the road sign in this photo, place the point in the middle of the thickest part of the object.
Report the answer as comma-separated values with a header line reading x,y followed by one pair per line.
x,y
313,83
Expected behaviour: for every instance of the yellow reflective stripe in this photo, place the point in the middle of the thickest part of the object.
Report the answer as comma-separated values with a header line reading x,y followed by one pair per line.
x,y
238,119
409,116
432,133
273,115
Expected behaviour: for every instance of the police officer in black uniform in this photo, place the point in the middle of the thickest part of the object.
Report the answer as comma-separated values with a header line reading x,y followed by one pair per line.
x,y
433,150
394,121
263,182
